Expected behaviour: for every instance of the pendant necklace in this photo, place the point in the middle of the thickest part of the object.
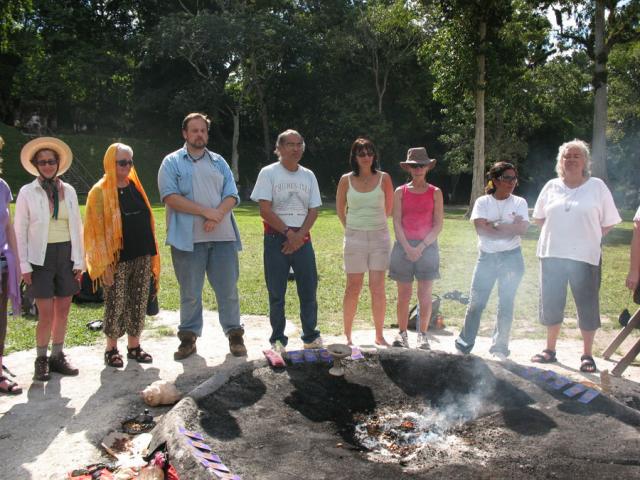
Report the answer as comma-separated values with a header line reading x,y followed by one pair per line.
x,y
568,197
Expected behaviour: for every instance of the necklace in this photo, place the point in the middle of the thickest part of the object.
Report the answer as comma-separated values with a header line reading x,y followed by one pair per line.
x,y
569,197
193,159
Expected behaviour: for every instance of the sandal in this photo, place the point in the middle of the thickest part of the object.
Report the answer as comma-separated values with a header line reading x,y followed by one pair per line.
x,y
113,358
547,356
139,355
12,387
587,364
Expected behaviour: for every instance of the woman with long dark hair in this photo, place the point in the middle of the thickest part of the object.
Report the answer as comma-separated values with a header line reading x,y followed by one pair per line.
x,y
500,218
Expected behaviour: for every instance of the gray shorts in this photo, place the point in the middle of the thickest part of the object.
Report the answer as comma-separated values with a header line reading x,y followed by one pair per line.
x,y
55,278
401,269
584,280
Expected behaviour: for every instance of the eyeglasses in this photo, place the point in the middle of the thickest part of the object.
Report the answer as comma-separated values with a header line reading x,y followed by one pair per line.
x,y
508,178
416,166
364,153
124,163
42,163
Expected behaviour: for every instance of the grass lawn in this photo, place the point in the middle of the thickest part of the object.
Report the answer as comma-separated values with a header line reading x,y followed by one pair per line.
x,y
457,252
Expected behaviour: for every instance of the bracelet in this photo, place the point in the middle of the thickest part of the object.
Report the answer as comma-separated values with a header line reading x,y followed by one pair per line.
x,y
285,231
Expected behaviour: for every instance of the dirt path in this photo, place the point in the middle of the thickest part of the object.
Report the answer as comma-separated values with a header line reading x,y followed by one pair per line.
x,y
56,426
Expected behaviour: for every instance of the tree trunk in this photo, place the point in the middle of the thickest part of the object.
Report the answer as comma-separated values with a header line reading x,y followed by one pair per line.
x,y
235,156
264,116
477,183
599,140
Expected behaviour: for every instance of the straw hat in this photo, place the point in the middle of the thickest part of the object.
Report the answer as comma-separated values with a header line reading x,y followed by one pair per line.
x,y
49,143
417,156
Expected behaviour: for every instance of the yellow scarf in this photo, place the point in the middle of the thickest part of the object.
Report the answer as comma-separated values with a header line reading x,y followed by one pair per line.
x,y
103,223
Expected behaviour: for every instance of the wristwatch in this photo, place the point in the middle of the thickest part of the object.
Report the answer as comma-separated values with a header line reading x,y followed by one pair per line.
x,y
495,224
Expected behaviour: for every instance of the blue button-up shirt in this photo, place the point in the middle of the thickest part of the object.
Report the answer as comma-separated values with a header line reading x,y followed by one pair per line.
x,y
175,177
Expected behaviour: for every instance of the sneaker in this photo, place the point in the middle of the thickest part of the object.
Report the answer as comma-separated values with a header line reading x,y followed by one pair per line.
x,y
59,363
317,343
423,342
279,348
500,356
41,367
401,340
236,343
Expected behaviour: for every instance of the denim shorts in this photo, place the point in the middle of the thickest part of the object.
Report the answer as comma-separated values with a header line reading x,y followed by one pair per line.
x,y
584,280
55,278
427,267
366,250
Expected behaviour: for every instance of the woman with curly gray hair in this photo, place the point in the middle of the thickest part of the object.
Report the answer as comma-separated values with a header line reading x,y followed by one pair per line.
x,y
575,211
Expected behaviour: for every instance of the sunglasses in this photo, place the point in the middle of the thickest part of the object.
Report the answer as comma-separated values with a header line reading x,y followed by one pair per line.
x,y
364,153
124,163
508,178
42,163
416,166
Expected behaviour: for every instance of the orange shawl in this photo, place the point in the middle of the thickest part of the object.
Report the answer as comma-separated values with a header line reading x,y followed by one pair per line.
x,y
103,223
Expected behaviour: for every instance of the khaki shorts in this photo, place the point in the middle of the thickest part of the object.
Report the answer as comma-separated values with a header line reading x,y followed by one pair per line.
x,y
366,250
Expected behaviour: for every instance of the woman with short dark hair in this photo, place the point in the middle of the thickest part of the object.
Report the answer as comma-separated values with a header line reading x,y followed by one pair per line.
x,y
364,200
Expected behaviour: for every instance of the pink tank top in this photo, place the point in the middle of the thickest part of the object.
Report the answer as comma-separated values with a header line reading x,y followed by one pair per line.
x,y
417,213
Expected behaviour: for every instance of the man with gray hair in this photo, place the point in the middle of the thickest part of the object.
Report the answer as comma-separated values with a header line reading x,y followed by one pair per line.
x,y
289,198
199,192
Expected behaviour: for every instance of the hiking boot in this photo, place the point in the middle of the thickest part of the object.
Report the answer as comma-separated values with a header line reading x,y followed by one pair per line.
x,y
401,340
317,343
187,345
41,369
59,363
236,343
423,342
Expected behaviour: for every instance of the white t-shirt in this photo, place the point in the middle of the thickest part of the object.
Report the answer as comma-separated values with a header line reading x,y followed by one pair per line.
x,y
291,194
636,217
503,211
573,219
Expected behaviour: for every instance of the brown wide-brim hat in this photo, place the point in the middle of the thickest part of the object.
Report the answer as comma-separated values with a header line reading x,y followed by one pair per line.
x,y
417,156
46,143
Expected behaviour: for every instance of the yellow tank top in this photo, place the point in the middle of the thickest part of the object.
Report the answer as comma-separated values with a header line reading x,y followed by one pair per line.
x,y
59,229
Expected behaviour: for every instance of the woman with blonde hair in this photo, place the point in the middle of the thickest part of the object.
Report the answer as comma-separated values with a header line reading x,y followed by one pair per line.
x,y
121,251
574,212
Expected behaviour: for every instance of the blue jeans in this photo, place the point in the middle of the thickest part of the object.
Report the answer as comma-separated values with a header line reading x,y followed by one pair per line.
x,y
276,273
507,268
219,260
